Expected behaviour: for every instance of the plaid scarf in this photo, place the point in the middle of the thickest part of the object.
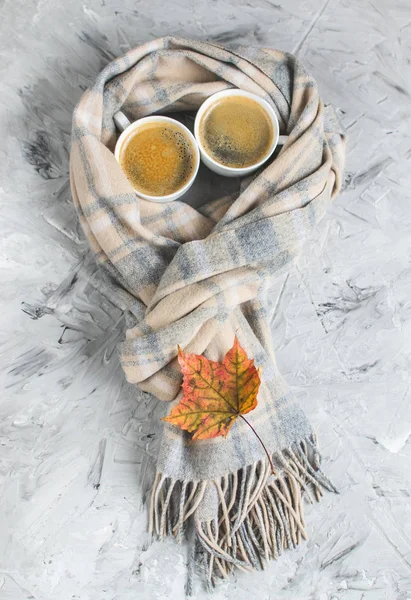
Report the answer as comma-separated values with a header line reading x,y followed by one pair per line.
x,y
195,277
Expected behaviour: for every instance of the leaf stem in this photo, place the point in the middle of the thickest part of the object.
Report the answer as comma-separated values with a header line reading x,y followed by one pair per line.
x,y
261,442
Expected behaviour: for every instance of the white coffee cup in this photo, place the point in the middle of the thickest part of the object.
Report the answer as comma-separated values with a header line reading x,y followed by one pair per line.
x,y
223,169
129,128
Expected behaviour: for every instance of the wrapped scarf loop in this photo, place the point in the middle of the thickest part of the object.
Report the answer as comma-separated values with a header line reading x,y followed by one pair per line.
x,y
196,276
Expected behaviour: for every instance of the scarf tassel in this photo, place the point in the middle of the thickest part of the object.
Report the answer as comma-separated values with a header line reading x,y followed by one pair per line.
x,y
259,514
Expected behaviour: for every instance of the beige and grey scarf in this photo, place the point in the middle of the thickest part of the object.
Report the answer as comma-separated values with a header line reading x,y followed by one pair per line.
x,y
195,277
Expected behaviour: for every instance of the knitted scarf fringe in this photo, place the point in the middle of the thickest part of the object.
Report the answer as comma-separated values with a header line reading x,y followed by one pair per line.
x,y
259,514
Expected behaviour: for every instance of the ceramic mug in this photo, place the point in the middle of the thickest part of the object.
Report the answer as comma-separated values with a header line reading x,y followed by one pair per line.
x,y
129,128
236,171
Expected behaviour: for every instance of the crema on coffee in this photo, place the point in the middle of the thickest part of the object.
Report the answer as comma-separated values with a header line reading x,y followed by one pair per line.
x,y
157,158
236,131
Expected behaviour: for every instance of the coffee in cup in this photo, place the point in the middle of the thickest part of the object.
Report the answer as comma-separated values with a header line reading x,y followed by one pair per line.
x,y
236,131
159,156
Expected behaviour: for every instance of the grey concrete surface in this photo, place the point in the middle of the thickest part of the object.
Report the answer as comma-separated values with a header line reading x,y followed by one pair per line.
x,y
77,444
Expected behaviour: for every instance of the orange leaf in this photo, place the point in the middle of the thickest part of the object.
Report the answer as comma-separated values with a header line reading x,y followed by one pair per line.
x,y
215,394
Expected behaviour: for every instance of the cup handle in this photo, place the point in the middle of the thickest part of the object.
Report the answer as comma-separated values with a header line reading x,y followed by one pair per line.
x,y
121,120
281,140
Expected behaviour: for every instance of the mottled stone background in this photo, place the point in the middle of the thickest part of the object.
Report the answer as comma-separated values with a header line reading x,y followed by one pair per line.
x,y
77,443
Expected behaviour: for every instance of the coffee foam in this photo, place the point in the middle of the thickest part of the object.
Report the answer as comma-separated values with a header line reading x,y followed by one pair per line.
x,y
236,131
157,158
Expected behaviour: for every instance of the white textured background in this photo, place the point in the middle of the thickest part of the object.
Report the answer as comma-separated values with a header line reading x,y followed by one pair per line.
x,y
77,443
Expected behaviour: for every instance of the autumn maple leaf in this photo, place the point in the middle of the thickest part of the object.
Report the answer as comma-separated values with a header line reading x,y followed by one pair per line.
x,y
215,394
